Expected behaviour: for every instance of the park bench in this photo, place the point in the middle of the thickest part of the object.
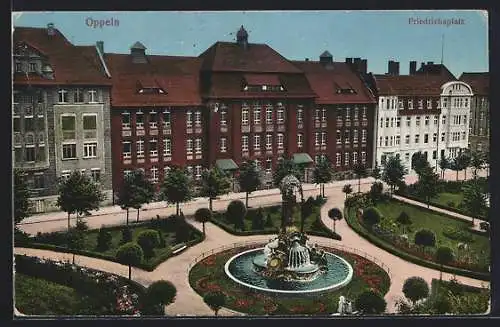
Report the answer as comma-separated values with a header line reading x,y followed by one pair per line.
x,y
179,248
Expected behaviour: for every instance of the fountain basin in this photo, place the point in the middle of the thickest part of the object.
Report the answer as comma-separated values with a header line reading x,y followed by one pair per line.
x,y
243,269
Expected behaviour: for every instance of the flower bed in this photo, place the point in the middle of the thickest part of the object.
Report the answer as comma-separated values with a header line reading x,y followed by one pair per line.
x,y
208,275
110,294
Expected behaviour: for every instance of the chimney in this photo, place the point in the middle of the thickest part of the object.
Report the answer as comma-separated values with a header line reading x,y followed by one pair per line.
x,y
413,67
326,58
307,59
138,53
100,46
430,63
242,37
364,66
50,29
422,65
348,61
393,67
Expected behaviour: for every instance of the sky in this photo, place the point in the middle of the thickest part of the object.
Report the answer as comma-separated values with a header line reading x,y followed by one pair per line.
x,y
378,36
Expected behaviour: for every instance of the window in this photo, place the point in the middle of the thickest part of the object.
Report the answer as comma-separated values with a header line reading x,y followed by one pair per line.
x,y
244,143
443,137
68,127
354,158
417,138
363,136
480,131
223,144
364,112
407,139
269,165
197,118
346,136
398,139
420,104
346,159
153,119
392,121
429,104
29,153
347,113
426,138
466,104
445,102
400,105
269,115
316,139
464,120
65,174
139,119
29,125
189,146
316,115
323,114
323,138
127,149
410,104
78,96
96,174
300,140
140,148
408,121
434,154
443,120
281,114
92,96
153,148
90,150
387,103
383,159
19,67
167,147
339,115
434,137
463,135
338,159
17,124
355,136
269,141
436,120
68,150
407,157
256,142
90,126
386,143
417,121
189,119
398,122
381,122
125,120
256,115
197,146
189,170
339,137
127,173
39,181
223,117
166,118
197,172
154,174
62,96
387,123
380,141
280,140
244,116
426,121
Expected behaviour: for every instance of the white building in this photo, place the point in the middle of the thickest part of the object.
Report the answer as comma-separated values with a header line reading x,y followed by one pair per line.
x,y
427,111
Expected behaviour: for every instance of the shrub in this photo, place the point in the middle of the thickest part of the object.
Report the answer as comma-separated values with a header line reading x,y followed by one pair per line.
x,y
181,227
457,234
236,212
258,220
203,215
484,226
444,255
371,216
415,288
162,242
104,240
441,304
148,240
308,206
450,204
161,292
56,238
376,191
403,219
215,300
425,237
126,235
130,254
269,221
370,302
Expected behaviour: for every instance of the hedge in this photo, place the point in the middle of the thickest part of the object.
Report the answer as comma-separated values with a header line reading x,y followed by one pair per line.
x,y
352,221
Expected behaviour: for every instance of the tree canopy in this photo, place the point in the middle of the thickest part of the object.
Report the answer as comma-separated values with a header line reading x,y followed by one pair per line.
x,y
21,197
323,173
177,187
214,182
415,288
249,178
286,167
474,200
394,172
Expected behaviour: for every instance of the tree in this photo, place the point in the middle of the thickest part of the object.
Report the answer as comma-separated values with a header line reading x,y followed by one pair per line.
x,y
21,197
286,167
461,162
126,235
177,187
258,220
214,182
236,212
444,255
376,191
215,300
323,173
360,172
415,288
347,189
161,292
427,184
403,220
371,216
143,190
370,302
76,240
376,172
269,221
487,162
444,164
394,172
418,162
474,200
477,161
335,214
249,178
466,158
104,239
425,238
130,254
203,215
79,194
148,240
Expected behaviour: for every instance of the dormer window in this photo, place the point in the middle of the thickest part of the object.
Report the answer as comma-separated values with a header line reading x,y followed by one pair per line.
x,y
62,96
262,83
19,67
151,90
32,67
92,96
149,86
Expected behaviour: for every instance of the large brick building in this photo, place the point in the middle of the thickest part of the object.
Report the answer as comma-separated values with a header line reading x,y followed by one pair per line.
x,y
60,112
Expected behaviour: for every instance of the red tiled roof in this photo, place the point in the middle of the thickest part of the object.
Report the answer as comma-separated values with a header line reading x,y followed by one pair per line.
x,y
421,84
262,79
326,81
231,57
480,82
177,76
71,64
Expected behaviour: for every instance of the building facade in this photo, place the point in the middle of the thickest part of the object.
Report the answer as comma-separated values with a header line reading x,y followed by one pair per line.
x,y
61,116
479,125
426,111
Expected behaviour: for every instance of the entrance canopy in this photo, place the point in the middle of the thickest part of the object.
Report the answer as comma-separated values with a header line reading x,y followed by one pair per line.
x,y
226,164
302,158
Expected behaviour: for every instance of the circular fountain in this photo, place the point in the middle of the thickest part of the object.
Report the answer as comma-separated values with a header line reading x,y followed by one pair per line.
x,y
287,263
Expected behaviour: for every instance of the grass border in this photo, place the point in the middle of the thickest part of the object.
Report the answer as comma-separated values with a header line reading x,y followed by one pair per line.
x,y
354,224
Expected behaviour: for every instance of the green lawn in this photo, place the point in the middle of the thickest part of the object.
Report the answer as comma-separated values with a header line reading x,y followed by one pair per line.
x,y
438,223
35,296
445,198
464,299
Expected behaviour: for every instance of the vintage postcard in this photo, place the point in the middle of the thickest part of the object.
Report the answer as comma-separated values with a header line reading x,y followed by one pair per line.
x,y
279,163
